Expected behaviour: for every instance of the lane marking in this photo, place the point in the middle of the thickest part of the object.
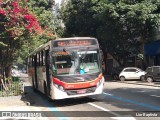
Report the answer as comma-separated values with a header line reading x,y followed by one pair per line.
x,y
118,116
131,101
155,95
104,109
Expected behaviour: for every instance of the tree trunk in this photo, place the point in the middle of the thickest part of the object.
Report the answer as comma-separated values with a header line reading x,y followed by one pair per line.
x,y
143,61
103,62
8,72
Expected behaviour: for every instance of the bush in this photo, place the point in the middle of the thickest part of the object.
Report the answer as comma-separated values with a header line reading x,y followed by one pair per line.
x,y
13,89
15,79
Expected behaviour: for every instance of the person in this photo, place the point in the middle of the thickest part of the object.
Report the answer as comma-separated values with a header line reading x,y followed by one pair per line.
x,y
74,67
75,62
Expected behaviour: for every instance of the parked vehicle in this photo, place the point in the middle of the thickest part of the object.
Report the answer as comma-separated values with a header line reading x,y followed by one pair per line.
x,y
152,73
15,73
130,73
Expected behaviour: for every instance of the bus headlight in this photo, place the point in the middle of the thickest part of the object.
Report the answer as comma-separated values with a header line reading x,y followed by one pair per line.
x,y
56,85
59,87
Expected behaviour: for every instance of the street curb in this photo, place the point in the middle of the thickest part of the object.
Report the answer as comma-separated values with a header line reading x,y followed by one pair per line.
x,y
139,84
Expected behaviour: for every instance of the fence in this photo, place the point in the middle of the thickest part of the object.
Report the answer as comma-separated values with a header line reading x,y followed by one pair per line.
x,y
13,89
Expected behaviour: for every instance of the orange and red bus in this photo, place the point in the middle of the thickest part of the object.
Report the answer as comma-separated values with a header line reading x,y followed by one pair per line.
x,y
67,68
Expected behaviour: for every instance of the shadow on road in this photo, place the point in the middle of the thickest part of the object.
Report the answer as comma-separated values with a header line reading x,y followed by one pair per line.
x,y
36,98
119,100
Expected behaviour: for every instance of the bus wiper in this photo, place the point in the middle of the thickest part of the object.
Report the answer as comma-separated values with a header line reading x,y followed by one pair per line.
x,y
64,49
73,54
85,53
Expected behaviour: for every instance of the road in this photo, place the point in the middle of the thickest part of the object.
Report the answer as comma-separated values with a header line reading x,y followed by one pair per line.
x,y
129,100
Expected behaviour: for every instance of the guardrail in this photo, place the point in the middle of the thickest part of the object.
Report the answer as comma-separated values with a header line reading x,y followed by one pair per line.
x,y
12,89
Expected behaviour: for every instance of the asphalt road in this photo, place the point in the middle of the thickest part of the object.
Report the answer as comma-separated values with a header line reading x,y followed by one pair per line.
x,y
130,100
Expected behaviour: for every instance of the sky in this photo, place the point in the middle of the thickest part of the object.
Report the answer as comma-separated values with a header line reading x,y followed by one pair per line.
x,y
58,1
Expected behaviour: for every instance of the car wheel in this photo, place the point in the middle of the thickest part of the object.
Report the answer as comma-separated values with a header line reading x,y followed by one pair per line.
x,y
122,78
142,78
115,77
149,79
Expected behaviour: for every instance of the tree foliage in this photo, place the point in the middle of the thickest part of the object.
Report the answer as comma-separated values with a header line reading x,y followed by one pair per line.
x,y
17,22
22,28
122,26
43,12
78,18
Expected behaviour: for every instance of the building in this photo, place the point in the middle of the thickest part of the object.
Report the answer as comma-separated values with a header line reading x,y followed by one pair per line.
x,y
152,53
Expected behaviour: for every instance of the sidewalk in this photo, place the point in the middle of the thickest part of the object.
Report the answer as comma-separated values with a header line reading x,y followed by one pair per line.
x,y
13,103
10,104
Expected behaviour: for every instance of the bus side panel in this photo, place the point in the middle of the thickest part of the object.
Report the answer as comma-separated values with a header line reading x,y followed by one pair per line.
x,y
35,72
47,78
31,72
41,75
31,75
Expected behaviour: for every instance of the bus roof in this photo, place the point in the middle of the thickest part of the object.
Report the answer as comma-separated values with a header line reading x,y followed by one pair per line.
x,y
43,46
75,38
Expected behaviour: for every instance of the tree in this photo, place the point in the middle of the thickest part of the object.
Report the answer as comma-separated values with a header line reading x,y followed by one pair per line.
x,y
44,13
17,22
130,23
121,26
78,18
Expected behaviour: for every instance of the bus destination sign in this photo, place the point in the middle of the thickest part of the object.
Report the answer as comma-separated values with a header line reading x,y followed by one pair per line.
x,y
69,43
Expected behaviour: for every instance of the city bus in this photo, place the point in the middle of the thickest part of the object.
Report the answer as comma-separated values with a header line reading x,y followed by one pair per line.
x,y
67,68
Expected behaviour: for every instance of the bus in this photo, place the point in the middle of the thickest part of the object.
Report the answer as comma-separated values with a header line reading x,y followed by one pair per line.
x,y
67,68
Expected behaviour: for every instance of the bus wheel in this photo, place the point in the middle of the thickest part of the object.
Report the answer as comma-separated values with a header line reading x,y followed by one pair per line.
x,y
33,87
45,89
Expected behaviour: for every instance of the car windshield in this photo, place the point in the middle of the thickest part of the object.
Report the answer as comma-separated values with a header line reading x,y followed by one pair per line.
x,y
140,70
75,62
132,70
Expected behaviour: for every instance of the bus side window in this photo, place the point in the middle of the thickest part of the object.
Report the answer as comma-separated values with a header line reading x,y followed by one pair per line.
x,y
29,62
32,61
40,59
44,62
48,60
47,57
37,55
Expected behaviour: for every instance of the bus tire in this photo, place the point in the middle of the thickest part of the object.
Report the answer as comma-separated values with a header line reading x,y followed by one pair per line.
x,y
34,89
45,89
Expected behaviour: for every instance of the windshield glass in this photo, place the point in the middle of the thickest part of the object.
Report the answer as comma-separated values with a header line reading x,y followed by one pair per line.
x,y
75,62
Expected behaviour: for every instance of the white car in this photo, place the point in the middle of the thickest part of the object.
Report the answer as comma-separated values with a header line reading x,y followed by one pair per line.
x,y
15,73
130,73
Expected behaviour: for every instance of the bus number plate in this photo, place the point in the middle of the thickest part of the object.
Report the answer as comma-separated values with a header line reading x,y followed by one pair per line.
x,y
81,91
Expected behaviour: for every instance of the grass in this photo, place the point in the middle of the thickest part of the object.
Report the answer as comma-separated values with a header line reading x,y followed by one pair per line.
x,y
13,90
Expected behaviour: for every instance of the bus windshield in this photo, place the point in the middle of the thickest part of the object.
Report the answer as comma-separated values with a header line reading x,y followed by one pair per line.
x,y
76,62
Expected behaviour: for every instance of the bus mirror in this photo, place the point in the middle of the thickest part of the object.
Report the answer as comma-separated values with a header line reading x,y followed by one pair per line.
x,y
74,55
